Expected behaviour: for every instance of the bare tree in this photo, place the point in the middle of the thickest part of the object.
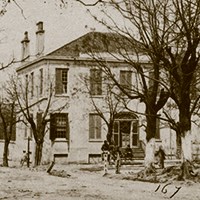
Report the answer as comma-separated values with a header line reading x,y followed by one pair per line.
x,y
26,107
168,33
8,123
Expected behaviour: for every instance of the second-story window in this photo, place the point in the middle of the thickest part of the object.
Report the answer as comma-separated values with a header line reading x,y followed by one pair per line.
x,y
41,81
95,82
126,80
32,83
61,81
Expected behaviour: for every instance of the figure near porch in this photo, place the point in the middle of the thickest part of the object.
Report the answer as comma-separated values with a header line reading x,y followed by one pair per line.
x,y
160,155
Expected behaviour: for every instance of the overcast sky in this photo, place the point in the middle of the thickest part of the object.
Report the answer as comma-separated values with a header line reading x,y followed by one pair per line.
x,y
61,25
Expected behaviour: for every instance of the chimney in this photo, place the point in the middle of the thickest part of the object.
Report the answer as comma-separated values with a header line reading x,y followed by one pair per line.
x,y
40,39
25,47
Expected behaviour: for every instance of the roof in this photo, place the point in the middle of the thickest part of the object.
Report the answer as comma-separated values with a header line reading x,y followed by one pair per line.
x,y
95,42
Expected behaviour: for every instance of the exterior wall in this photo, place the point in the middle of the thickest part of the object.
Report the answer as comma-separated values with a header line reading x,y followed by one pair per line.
x,y
78,107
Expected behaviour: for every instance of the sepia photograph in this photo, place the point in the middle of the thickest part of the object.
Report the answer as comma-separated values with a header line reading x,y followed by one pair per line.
x,y
100,99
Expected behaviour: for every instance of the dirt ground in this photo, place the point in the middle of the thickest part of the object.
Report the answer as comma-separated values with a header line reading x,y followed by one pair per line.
x,y
87,182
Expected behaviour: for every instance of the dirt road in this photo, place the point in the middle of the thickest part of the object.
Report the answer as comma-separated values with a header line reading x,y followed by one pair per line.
x,y
81,183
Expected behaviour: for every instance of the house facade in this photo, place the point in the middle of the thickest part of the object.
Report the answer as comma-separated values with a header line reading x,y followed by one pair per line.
x,y
75,131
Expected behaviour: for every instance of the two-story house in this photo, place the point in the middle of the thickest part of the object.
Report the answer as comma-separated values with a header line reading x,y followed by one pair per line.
x,y
76,133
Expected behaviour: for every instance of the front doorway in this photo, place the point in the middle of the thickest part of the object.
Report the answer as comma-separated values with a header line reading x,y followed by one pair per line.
x,y
125,130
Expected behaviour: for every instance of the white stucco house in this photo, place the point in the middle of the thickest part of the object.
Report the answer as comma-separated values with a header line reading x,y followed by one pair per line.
x,y
76,133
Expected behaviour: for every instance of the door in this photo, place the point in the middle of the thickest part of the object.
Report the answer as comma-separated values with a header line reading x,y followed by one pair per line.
x,y
125,127
134,139
116,133
125,132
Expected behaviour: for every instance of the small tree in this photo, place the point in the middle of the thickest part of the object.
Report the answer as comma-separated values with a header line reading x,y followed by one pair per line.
x,y
8,124
26,107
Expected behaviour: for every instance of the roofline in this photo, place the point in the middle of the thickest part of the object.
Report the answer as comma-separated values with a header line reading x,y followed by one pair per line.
x,y
82,36
64,58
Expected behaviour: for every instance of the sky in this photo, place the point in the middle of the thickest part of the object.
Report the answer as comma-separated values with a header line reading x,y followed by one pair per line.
x,y
61,24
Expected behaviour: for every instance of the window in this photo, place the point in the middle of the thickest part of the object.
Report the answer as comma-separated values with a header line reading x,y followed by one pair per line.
x,y
32,83
95,82
134,131
116,133
28,132
126,80
94,126
59,126
61,81
41,81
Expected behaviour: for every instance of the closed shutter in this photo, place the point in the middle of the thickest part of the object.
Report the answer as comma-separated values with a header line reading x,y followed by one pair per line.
x,y
151,79
41,81
58,88
157,135
1,130
39,122
13,136
99,82
126,79
67,126
91,126
92,83
116,132
52,127
122,78
98,127
129,79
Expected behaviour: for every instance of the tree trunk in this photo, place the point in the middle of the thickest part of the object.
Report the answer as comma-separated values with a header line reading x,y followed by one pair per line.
x,y
186,146
38,153
186,140
5,154
109,134
150,137
149,153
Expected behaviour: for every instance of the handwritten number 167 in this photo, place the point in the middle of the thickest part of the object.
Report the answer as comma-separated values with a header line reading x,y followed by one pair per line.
x,y
164,189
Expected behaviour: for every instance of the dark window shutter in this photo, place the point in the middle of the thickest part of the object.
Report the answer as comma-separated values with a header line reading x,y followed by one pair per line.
x,y
98,120
129,79
52,127
58,88
67,126
91,126
122,78
99,81
39,121
126,79
41,81
157,135
13,136
151,79
135,126
92,83
1,130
